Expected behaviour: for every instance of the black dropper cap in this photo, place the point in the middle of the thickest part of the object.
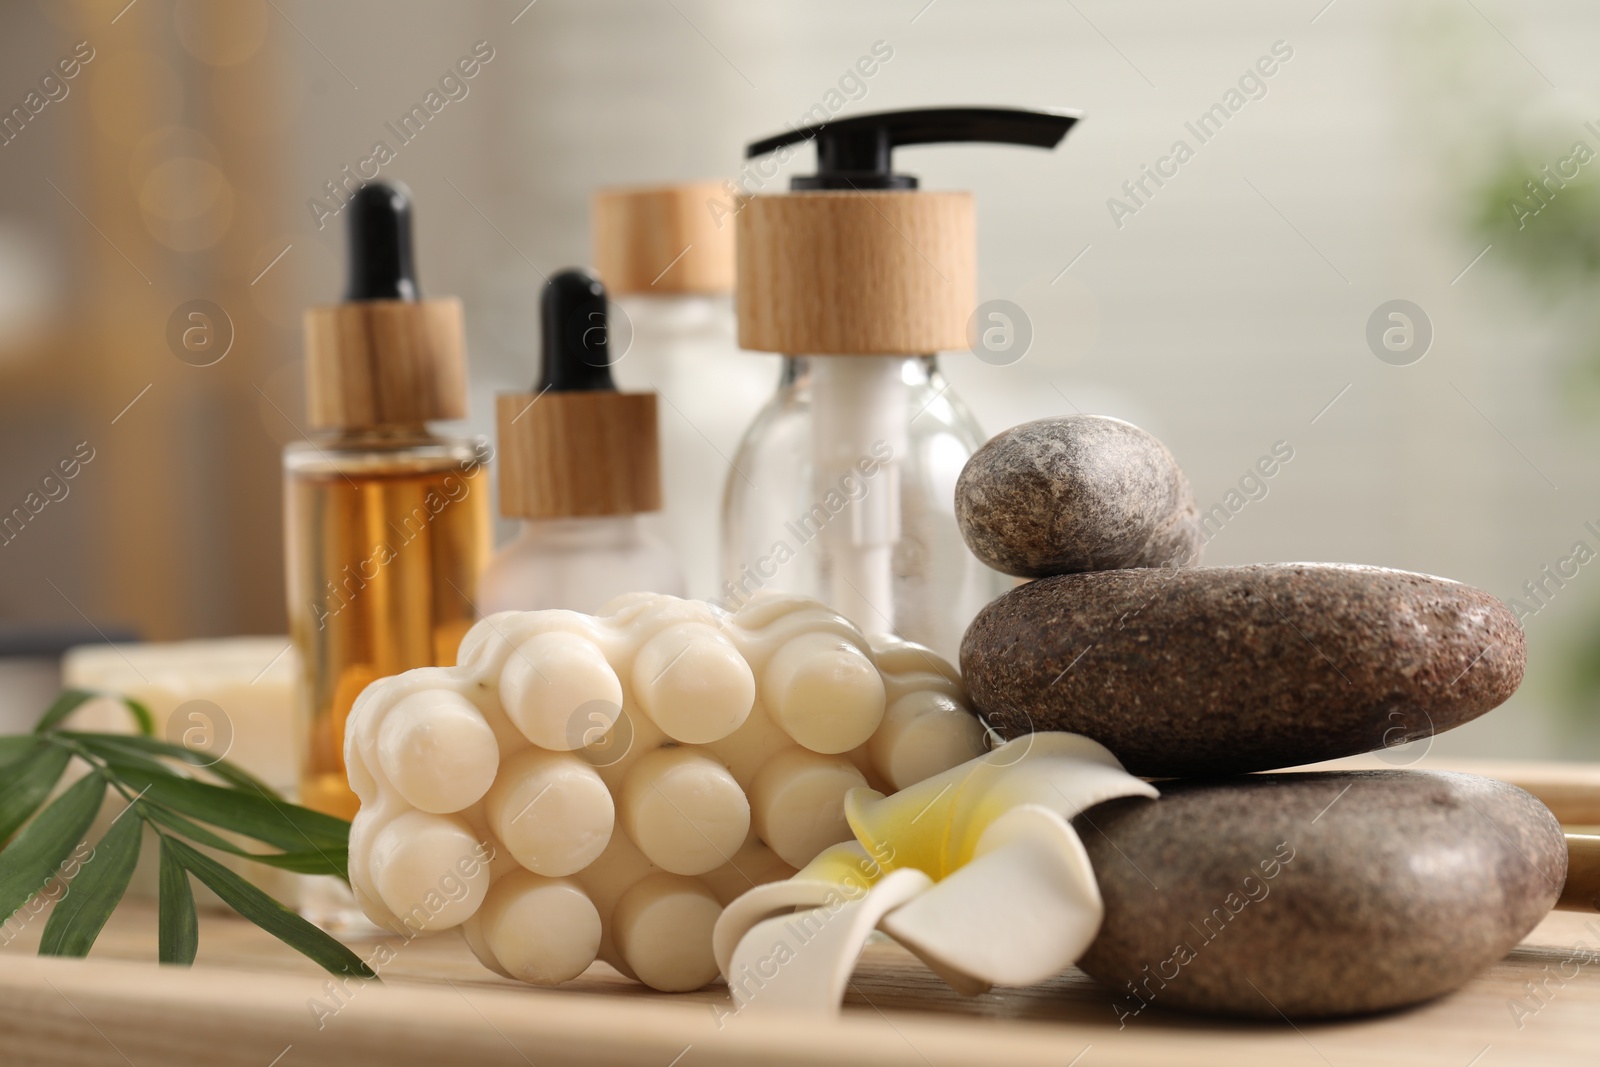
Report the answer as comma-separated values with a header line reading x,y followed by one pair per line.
x,y
380,244
577,355
857,152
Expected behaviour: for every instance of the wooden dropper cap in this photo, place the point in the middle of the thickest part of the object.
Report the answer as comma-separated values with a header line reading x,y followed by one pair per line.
x,y
664,240
855,260
384,357
577,447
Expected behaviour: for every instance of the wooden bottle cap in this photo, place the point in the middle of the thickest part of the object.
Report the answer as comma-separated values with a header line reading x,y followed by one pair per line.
x,y
890,272
570,454
372,363
664,239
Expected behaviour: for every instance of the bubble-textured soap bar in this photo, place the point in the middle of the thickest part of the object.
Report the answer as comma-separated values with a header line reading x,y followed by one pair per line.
x,y
585,787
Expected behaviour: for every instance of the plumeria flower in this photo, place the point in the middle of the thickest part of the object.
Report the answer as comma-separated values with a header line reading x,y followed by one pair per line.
x,y
977,871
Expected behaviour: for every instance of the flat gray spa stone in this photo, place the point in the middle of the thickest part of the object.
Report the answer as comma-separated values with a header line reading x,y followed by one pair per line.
x,y
1224,670
1317,894
1080,493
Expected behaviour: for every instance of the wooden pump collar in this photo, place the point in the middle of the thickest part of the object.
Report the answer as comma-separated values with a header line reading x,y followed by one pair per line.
x,y
847,272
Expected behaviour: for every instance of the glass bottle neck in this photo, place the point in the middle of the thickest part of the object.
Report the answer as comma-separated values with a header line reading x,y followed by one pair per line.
x,y
399,435
381,447
677,315
914,370
583,532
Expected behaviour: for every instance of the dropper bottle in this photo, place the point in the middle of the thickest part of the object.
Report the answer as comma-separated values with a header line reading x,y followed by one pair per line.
x,y
844,486
580,465
386,524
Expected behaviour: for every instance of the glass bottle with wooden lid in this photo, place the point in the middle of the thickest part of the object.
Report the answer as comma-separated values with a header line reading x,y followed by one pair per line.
x,y
387,524
665,253
844,486
579,465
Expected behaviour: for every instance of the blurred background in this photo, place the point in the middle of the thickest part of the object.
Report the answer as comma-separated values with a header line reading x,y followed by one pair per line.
x,y
1440,153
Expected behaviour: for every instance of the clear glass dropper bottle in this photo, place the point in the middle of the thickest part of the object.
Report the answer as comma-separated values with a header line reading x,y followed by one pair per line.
x,y
579,465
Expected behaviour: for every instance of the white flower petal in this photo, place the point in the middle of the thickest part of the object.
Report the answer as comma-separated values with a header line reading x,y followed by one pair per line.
x,y
839,869
1016,900
1023,910
802,962
935,825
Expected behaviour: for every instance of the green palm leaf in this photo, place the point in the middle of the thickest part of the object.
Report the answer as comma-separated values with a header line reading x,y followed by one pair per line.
x,y
327,862
276,822
16,746
37,853
71,700
28,782
159,780
179,931
93,895
126,744
268,914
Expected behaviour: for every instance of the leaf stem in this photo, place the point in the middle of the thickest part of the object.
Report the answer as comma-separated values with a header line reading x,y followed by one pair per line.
x,y
107,775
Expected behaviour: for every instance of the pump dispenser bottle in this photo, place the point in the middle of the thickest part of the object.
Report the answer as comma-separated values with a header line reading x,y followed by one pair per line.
x,y
579,465
665,252
844,486
386,524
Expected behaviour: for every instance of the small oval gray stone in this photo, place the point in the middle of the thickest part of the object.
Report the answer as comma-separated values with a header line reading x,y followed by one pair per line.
x,y
1224,670
1080,493
1314,895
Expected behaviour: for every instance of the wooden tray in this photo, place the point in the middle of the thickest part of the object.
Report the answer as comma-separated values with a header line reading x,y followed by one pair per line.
x,y
248,1001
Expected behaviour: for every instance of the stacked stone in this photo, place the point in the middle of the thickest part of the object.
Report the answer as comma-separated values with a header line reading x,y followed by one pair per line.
x,y
1302,894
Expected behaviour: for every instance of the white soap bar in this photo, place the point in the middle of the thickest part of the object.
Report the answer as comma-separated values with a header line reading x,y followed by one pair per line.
x,y
795,796
684,810
438,750
551,810
249,680
585,788
230,698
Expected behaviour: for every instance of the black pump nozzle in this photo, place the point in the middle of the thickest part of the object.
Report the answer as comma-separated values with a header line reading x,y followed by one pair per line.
x,y
380,244
577,354
857,152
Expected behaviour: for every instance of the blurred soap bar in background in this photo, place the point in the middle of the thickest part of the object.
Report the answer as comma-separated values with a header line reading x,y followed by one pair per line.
x,y
232,698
